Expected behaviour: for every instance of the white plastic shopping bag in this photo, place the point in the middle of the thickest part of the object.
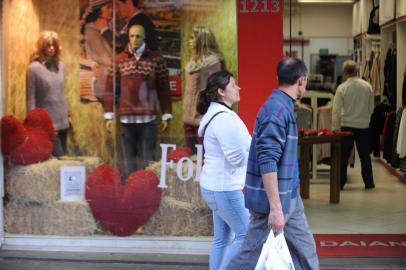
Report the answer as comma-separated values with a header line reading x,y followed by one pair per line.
x,y
275,254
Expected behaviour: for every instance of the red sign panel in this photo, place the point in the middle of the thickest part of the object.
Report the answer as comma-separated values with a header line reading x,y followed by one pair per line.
x,y
175,84
260,42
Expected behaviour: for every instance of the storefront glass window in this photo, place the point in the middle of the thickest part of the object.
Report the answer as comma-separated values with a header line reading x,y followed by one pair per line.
x,y
96,94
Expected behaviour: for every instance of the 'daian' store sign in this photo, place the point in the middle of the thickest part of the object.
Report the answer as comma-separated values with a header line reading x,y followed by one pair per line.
x,y
190,172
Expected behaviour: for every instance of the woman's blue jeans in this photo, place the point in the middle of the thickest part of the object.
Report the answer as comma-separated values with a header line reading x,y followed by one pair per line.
x,y
230,221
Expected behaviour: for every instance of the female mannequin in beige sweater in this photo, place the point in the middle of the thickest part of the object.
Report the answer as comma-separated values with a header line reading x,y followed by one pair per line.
x,y
206,59
45,87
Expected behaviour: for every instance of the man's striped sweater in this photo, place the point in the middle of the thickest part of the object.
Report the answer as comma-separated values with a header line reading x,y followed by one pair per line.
x,y
273,149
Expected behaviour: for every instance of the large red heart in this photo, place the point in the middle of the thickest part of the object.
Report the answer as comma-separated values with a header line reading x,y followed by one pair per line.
x,y
28,142
122,210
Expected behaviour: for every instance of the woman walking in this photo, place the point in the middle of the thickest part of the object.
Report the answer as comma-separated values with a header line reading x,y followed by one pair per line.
x,y
226,142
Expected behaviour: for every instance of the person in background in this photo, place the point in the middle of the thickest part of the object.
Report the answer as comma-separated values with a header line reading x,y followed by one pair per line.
x,y
352,109
130,12
226,143
206,59
97,17
272,176
46,85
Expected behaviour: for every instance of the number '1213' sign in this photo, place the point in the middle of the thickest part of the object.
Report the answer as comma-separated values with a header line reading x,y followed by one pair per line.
x,y
256,6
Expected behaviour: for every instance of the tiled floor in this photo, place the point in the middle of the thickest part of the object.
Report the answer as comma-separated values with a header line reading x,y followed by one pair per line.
x,y
381,210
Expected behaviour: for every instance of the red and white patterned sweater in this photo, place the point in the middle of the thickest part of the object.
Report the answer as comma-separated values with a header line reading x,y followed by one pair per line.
x,y
143,83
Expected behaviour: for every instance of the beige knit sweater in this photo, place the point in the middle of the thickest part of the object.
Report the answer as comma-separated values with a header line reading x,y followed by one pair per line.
x,y
196,80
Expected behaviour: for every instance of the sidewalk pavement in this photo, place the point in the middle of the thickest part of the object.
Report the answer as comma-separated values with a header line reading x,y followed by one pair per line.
x,y
55,260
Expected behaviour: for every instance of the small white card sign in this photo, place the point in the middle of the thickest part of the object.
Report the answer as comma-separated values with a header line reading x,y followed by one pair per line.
x,y
73,183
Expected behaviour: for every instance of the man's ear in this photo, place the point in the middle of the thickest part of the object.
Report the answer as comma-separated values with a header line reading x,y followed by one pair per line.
x,y
300,81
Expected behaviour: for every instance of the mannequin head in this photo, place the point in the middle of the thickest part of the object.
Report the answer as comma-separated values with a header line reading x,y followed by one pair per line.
x,y
48,47
221,87
292,77
350,69
136,36
202,42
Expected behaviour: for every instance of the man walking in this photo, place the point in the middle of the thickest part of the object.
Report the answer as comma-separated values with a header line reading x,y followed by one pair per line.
x,y
272,175
352,109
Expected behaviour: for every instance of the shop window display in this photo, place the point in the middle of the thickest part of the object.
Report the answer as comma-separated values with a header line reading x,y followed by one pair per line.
x,y
120,198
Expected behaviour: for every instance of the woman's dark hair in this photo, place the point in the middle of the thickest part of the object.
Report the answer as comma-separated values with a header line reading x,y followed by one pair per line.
x,y
217,80
88,18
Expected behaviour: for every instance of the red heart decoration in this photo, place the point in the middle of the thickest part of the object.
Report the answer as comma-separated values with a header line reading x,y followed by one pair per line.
x,y
122,210
28,142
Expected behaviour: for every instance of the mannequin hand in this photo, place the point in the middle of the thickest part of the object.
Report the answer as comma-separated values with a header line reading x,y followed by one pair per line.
x,y
109,126
164,125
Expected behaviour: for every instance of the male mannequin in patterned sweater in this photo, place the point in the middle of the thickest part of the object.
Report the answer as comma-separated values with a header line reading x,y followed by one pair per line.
x,y
143,79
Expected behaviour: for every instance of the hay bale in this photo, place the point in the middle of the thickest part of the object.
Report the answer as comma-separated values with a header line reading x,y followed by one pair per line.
x,y
179,190
182,211
178,218
40,182
59,218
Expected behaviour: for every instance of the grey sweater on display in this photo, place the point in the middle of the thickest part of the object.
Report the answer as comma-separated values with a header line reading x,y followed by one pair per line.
x,y
45,89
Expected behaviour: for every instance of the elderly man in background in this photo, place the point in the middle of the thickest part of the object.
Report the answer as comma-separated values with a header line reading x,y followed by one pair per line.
x,y
352,109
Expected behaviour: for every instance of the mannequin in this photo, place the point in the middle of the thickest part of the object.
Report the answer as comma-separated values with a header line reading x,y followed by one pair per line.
x,y
45,87
206,59
144,82
95,19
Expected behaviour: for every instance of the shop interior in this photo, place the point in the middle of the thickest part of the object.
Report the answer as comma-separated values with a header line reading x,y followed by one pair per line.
x,y
323,35
335,33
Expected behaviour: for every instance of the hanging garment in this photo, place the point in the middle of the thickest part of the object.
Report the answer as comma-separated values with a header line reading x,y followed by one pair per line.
x,y
375,75
404,90
368,67
401,140
387,136
395,154
367,72
373,26
376,126
389,71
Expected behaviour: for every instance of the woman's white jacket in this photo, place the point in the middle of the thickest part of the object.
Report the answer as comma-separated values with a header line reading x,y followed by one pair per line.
x,y
226,145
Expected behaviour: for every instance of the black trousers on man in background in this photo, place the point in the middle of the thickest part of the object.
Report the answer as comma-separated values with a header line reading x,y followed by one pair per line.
x,y
362,141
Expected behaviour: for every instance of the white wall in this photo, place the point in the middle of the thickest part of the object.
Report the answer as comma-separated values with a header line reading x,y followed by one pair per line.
x,y
325,26
339,46
319,20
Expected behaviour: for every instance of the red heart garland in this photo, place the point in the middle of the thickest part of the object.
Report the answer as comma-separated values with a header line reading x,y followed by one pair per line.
x,y
28,142
122,210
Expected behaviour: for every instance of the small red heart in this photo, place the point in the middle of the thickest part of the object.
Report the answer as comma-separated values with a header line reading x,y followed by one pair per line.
x,y
122,210
179,153
28,142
